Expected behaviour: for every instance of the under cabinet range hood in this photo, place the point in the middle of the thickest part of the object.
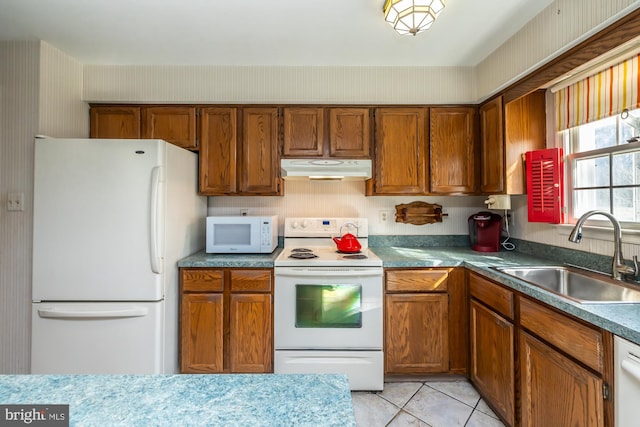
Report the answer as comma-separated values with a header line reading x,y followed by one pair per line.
x,y
325,169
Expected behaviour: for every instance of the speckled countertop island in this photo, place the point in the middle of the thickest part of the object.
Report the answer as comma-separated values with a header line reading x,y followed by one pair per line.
x,y
189,400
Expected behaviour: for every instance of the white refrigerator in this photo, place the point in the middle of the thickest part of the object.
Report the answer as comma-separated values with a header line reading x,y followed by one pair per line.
x,y
111,218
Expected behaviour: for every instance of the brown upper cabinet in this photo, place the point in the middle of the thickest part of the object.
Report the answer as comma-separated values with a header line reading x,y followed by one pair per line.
x,y
218,151
176,125
115,122
504,138
239,162
259,165
425,151
452,149
303,131
349,132
525,129
492,147
400,151
326,132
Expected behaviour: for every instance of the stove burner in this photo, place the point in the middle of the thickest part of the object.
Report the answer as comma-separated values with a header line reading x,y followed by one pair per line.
x,y
302,255
349,253
356,256
300,250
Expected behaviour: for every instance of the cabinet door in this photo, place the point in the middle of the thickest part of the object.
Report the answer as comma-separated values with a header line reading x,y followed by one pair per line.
x,y
555,391
259,164
400,151
115,122
202,333
525,130
492,359
349,132
416,333
251,333
218,151
452,150
492,147
176,125
303,131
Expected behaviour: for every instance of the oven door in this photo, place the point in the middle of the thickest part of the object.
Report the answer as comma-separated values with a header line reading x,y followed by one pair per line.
x,y
328,308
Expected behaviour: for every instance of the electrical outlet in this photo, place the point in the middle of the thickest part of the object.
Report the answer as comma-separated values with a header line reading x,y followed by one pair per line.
x,y
244,212
383,216
15,202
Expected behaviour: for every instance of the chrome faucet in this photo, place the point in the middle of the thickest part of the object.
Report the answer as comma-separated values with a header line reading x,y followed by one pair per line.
x,y
618,268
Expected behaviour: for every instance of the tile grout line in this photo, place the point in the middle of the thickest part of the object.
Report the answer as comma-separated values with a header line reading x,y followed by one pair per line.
x,y
422,384
401,408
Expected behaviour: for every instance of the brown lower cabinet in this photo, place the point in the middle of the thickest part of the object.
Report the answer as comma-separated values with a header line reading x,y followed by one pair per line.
x,y
226,320
425,318
555,390
492,359
535,365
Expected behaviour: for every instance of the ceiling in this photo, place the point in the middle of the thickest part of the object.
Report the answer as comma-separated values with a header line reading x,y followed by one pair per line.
x,y
261,32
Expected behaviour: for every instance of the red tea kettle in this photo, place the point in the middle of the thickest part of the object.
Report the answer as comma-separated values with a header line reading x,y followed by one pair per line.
x,y
348,243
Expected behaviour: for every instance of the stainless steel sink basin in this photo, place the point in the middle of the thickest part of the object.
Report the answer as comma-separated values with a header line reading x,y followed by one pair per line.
x,y
584,286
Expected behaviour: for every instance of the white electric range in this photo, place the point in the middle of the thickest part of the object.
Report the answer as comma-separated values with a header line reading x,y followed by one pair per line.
x,y
328,305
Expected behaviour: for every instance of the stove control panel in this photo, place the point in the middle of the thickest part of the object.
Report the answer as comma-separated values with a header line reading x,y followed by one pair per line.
x,y
325,227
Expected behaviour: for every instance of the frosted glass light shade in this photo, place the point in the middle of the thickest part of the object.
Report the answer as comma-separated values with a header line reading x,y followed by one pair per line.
x,y
410,17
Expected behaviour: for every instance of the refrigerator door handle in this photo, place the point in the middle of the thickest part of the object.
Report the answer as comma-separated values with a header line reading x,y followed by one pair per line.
x,y
156,261
57,313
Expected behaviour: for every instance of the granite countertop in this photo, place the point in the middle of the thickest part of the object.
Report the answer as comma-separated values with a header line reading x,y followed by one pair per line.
x,y
189,400
620,319
203,259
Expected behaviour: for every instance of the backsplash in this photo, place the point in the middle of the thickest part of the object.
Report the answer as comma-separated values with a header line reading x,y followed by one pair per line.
x,y
347,199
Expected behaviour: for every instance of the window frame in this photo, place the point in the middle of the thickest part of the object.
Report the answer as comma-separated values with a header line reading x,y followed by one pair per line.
x,y
570,139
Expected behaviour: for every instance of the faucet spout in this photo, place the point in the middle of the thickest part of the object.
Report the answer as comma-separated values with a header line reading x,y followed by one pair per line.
x,y
618,268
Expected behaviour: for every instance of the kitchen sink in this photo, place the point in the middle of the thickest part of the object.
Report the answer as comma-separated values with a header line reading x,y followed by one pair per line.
x,y
583,286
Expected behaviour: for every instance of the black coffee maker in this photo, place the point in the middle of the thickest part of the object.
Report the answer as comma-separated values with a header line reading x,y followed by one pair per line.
x,y
485,229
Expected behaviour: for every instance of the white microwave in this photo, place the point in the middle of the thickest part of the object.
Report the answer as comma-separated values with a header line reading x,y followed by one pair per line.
x,y
241,234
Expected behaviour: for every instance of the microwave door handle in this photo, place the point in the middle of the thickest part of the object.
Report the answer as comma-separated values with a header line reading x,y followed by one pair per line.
x,y
156,262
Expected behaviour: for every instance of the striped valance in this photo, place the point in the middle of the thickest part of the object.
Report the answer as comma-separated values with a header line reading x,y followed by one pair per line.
x,y
601,95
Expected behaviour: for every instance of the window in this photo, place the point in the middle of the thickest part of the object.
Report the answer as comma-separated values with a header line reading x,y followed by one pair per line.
x,y
603,167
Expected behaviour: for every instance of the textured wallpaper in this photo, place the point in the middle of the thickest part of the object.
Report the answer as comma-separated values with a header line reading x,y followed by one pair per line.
x,y
559,27
263,84
40,93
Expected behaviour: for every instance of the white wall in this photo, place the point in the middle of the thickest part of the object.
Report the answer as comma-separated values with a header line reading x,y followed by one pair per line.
x,y
562,25
347,199
40,92
264,84
19,71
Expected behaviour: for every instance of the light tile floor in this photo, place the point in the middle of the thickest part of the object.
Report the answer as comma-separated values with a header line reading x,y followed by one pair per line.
x,y
430,403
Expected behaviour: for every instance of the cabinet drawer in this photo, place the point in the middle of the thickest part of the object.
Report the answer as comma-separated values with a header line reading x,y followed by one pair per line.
x,y
495,296
573,337
202,280
417,280
251,280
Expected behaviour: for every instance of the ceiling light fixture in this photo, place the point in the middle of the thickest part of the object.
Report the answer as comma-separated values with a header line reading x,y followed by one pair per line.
x,y
412,16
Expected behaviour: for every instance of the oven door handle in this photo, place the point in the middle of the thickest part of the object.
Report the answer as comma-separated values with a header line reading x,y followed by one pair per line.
x,y
315,272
